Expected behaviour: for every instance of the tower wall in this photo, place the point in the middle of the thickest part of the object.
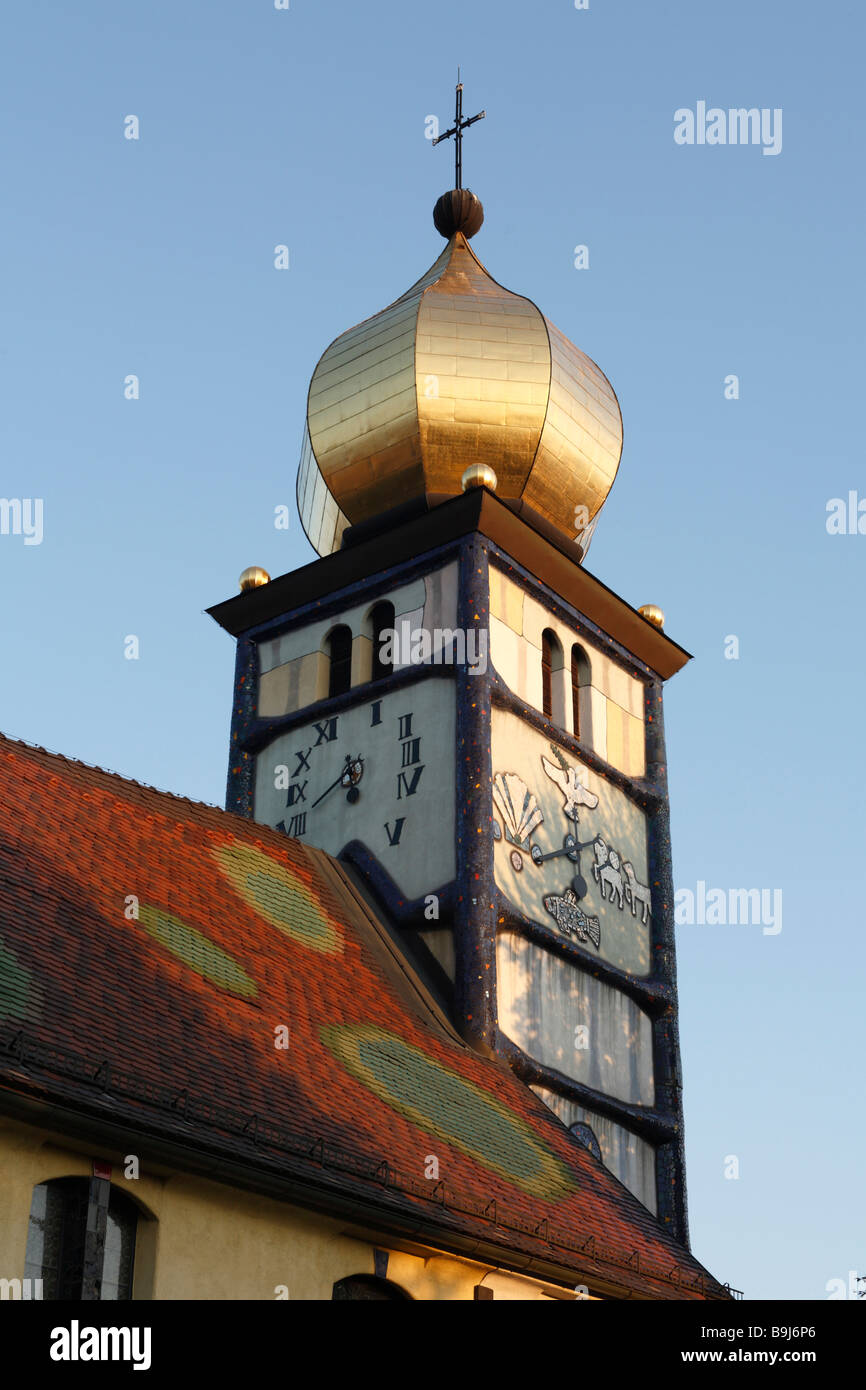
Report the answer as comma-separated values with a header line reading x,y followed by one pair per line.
x,y
522,859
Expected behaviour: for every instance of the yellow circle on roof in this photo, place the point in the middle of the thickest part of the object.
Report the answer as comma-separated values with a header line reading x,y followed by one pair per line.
x,y
281,897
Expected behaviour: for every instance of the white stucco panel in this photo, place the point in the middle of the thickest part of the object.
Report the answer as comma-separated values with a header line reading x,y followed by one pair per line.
x,y
628,1157
573,1022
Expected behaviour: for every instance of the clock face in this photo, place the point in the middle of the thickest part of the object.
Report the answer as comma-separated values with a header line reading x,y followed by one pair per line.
x,y
569,849
381,772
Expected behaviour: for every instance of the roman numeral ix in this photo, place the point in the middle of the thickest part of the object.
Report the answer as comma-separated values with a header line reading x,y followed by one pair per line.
x,y
296,793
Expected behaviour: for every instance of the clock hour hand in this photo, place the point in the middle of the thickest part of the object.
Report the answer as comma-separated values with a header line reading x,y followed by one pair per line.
x,y
351,777
353,772
570,849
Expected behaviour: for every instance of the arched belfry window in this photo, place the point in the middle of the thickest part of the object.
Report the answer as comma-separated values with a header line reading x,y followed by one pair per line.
x,y
339,648
580,682
81,1240
369,1288
551,662
382,619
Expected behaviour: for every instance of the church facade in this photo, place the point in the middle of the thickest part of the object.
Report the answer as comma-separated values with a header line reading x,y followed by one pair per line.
x,y
400,1022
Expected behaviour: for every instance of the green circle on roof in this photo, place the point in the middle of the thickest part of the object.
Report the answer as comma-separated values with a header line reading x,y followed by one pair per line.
x,y
196,950
439,1101
278,895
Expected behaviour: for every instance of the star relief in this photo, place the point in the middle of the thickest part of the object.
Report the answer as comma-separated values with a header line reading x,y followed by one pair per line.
x,y
570,917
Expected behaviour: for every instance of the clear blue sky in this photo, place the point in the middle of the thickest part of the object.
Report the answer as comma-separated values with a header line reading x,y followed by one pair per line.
x,y
306,127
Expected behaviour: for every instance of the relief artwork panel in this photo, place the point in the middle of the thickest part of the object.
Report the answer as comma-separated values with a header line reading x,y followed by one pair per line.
x,y
570,849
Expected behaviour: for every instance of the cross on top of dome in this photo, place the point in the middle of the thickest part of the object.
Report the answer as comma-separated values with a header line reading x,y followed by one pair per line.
x,y
461,123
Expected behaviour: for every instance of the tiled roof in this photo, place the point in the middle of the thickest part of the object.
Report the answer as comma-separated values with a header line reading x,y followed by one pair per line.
x,y
151,949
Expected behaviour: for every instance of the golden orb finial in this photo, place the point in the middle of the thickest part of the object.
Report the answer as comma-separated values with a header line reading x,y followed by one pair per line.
x,y
252,578
653,614
479,475
458,211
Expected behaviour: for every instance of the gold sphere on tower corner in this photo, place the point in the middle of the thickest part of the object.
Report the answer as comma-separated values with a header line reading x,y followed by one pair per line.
x,y
479,475
653,614
252,578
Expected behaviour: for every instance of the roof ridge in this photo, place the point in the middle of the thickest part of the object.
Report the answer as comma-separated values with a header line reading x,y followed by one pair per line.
x,y
12,741
277,837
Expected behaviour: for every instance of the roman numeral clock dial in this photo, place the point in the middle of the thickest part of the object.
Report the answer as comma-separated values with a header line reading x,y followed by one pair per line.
x,y
377,774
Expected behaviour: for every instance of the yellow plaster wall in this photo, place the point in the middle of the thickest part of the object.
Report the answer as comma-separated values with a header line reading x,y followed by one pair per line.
x,y
506,599
362,660
613,716
221,1243
199,1239
292,686
294,668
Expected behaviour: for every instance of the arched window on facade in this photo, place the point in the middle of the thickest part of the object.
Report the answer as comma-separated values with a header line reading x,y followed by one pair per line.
x,y
339,648
81,1240
580,683
369,1287
382,619
551,663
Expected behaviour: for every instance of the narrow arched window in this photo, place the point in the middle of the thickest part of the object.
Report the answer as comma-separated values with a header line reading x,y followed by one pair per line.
x,y
80,1241
340,658
580,679
551,660
382,619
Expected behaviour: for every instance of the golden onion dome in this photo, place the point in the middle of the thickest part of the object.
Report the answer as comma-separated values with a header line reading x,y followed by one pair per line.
x,y
457,372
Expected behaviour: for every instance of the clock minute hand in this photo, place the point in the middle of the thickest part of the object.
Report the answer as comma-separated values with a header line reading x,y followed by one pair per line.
x,y
341,774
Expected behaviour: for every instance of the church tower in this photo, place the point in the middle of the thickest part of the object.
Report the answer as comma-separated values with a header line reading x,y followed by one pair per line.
x,y
451,703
